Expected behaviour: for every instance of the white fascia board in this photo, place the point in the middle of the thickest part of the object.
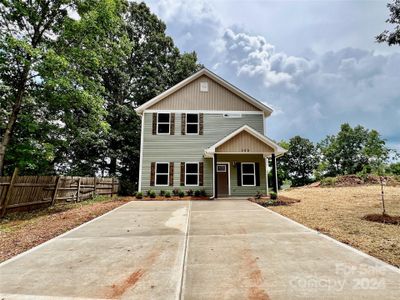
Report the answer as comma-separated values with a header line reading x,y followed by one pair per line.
x,y
278,149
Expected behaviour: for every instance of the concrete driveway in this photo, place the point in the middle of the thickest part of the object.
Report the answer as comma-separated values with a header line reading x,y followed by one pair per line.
x,y
195,250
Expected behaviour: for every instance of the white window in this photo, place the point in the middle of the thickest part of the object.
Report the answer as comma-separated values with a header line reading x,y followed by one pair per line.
x,y
221,168
248,174
163,123
162,174
191,174
192,123
204,86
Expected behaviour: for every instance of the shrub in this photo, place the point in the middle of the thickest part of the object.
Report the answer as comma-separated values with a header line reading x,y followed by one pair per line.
x,y
134,194
258,195
189,192
139,195
203,193
167,194
328,181
273,195
152,194
197,193
175,192
162,193
270,202
181,194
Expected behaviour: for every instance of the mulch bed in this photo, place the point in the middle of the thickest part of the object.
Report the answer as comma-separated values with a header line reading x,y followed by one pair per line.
x,y
172,198
267,201
22,231
383,218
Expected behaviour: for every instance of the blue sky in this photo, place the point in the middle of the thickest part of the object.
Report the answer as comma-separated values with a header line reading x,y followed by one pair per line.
x,y
315,62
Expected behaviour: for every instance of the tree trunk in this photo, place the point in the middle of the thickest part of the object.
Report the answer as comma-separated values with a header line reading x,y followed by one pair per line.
x,y
5,141
113,166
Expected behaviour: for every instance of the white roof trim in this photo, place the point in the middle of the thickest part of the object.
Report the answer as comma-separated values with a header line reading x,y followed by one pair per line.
x,y
278,150
266,109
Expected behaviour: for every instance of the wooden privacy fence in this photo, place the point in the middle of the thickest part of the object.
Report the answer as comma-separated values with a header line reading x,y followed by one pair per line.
x,y
28,191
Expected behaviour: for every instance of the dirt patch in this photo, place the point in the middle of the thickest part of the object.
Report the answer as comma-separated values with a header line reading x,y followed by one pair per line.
x,y
172,198
25,230
254,276
339,211
383,218
281,201
117,290
355,180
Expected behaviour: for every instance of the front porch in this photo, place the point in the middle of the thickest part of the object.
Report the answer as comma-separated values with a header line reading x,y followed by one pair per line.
x,y
241,164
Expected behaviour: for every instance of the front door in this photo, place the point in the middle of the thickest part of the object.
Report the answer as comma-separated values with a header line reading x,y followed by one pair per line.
x,y
222,180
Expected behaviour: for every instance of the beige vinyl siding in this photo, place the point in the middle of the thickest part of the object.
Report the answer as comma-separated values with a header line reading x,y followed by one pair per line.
x,y
189,97
189,148
244,190
244,142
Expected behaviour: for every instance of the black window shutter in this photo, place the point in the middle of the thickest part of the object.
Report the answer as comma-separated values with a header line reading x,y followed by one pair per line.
x,y
239,173
257,174
152,173
183,124
201,123
172,124
182,173
154,129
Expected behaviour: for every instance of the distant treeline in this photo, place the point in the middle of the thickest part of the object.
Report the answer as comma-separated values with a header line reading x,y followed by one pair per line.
x,y
351,151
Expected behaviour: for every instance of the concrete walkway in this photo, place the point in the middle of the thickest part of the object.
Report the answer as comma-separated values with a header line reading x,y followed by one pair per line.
x,y
195,250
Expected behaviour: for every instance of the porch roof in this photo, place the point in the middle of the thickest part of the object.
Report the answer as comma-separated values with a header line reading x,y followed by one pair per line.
x,y
245,140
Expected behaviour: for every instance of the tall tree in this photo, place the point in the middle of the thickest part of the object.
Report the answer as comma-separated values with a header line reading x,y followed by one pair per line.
x,y
148,64
48,72
26,27
351,150
300,161
392,38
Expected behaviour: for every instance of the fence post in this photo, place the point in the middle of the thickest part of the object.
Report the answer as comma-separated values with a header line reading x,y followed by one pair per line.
x,y
54,196
9,190
112,187
78,193
95,187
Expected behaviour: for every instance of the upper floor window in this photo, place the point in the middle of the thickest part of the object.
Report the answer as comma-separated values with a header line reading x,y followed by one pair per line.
x,y
163,123
162,174
192,123
248,174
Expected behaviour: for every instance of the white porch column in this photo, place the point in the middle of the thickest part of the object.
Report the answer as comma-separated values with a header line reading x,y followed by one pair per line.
x,y
213,175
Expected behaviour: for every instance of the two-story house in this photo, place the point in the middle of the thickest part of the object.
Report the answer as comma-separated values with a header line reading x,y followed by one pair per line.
x,y
206,133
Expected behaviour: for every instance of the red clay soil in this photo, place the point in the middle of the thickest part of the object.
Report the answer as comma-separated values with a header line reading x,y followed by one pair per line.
x,y
23,231
172,198
383,218
117,290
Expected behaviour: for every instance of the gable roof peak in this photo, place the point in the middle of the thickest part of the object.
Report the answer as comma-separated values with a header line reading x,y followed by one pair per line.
x,y
204,71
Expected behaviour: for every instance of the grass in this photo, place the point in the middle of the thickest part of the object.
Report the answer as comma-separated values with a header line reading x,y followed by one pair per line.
x,y
340,211
20,231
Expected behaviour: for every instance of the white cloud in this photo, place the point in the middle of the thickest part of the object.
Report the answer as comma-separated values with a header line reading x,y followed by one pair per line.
x,y
313,91
253,56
